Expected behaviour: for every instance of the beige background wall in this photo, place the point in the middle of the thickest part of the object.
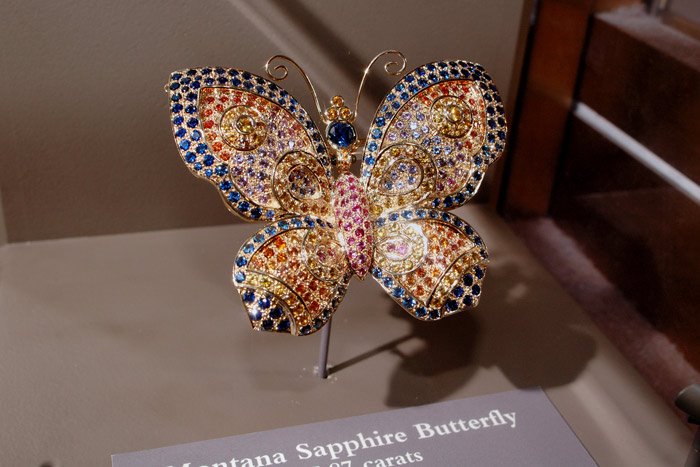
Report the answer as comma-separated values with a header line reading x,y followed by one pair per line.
x,y
87,147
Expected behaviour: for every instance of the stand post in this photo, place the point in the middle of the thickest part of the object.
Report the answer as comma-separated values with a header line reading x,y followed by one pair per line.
x,y
323,350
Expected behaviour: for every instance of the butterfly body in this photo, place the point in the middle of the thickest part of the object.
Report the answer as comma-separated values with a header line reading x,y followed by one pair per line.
x,y
351,210
426,153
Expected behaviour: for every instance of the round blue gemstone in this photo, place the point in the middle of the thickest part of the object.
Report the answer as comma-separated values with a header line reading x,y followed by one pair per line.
x,y
341,134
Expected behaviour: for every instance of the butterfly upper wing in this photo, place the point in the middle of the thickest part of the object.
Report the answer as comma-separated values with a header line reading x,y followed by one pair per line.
x,y
292,275
252,140
429,145
433,137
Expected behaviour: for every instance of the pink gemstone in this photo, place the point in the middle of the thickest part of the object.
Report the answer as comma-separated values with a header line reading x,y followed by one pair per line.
x,y
350,205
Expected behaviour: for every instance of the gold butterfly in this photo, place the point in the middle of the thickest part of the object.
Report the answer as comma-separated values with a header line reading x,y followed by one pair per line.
x,y
429,145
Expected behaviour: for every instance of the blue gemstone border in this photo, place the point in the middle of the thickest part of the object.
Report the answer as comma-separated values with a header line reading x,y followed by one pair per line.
x,y
183,93
422,78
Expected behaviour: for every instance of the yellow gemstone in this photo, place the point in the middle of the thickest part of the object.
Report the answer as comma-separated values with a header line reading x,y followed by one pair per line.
x,y
245,124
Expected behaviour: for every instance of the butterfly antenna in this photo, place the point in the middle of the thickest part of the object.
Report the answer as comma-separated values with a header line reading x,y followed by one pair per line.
x,y
393,67
280,71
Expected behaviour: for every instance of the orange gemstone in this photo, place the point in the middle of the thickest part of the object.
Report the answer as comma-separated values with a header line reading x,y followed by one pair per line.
x,y
208,124
217,146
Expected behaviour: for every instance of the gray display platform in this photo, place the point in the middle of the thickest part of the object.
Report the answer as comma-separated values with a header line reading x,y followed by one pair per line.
x,y
130,342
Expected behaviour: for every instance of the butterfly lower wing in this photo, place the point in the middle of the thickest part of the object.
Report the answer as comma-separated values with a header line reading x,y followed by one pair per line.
x,y
430,262
292,275
252,140
433,137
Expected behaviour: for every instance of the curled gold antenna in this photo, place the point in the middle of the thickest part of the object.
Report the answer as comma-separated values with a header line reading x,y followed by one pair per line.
x,y
283,71
392,68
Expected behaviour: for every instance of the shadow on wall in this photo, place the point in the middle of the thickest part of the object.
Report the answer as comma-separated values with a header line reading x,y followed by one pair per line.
x,y
525,337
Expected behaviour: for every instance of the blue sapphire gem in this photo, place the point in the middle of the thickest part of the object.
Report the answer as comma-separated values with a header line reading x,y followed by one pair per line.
x,y
240,276
254,314
468,279
174,86
264,303
476,290
284,225
397,292
267,324
458,291
243,206
208,159
248,296
283,325
190,157
225,185
234,196
184,144
192,122
259,238
196,135
341,134
388,282
420,312
435,314
221,169
408,302
248,248
241,261
276,312
255,213
451,305
180,132
478,272
468,301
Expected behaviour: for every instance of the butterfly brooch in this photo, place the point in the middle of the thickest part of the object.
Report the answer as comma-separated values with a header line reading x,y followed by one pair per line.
x,y
428,147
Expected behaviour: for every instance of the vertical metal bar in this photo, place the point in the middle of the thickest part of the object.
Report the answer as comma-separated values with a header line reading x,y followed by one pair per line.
x,y
322,369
